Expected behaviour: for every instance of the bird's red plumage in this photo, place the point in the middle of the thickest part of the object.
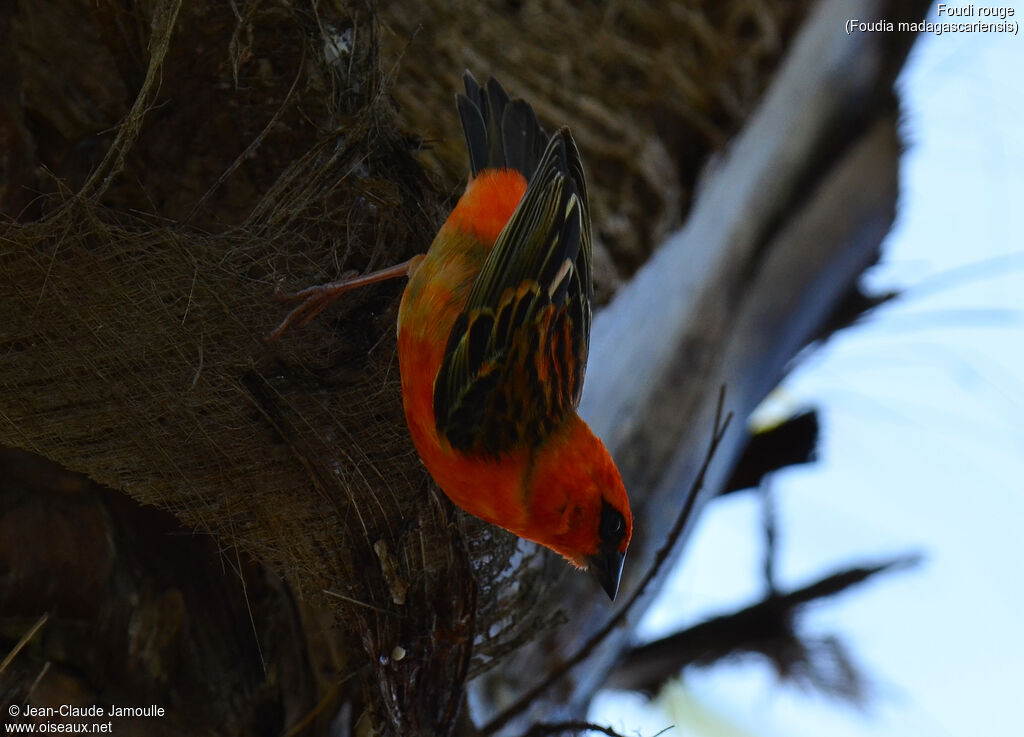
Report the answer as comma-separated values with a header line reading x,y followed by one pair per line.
x,y
488,203
572,466
433,299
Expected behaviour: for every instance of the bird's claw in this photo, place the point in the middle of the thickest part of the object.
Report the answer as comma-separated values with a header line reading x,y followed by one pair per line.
x,y
312,301
311,292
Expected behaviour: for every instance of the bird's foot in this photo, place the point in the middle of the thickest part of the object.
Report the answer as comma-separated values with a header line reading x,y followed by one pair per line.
x,y
314,300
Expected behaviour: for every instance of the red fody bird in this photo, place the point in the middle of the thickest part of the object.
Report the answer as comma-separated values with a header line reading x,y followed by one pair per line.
x,y
493,335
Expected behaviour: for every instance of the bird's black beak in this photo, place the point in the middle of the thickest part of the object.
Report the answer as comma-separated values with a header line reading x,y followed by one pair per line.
x,y
606,566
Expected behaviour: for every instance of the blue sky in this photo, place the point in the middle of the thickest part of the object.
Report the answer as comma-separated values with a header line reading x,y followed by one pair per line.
x,y
922,450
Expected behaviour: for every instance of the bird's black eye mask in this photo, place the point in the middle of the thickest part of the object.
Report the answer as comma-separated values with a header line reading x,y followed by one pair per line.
x,y
612,528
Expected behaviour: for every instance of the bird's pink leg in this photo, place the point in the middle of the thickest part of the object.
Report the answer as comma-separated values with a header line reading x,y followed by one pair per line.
x,y
314,300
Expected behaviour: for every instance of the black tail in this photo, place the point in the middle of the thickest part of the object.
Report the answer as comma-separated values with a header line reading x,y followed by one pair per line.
x,y
500,133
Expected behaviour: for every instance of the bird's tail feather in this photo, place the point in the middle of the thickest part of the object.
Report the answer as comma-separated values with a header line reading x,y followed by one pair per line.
x,y
501,133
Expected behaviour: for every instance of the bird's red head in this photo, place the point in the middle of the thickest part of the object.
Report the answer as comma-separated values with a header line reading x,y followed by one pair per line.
x,y
578,505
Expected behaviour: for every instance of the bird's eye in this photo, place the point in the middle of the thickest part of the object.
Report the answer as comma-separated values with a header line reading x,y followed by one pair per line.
x,y
613,525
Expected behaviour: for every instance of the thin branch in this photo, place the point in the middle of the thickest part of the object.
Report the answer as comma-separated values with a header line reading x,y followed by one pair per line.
x,y
255,143
23,641
771,537
357,602
546,728
524,701
165,19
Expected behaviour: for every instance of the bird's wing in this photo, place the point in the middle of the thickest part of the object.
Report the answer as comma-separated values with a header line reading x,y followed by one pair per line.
x,y
516,355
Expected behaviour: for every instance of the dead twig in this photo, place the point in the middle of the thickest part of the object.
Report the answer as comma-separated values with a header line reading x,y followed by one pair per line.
x,y
766,627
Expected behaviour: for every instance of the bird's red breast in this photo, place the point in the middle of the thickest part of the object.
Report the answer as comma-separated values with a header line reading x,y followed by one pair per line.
x,y
436,294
